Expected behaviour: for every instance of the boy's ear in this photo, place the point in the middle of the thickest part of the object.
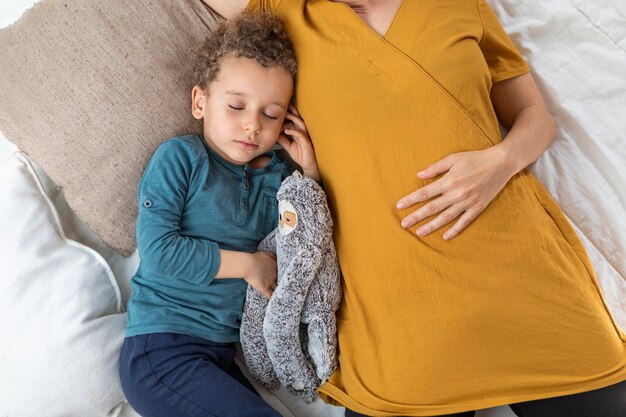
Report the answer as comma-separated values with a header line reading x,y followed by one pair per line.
x,y
198,101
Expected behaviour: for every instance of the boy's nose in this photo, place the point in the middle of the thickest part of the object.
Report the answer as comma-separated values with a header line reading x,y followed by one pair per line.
x,y
252,125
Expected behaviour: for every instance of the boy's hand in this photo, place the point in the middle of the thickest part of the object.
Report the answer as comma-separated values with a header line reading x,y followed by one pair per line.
x,y
299,147
262,273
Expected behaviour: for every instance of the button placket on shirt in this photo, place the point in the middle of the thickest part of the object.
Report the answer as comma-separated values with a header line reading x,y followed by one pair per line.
x,y
244,196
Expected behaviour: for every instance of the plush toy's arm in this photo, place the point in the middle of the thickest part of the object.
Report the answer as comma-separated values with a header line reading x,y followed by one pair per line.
x,y
281,326
252,341
251,332
319,314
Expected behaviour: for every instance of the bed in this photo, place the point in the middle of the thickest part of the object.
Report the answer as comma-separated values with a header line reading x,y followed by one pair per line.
x,y
63,291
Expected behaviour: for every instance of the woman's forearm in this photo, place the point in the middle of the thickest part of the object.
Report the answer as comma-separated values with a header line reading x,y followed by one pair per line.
x,y
226,8
520,107
530,135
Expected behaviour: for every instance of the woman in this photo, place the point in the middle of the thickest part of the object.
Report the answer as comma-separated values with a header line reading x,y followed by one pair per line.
x,y
508,311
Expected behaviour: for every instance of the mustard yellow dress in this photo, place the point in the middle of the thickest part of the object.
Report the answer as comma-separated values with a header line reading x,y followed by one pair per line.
x,y
508,311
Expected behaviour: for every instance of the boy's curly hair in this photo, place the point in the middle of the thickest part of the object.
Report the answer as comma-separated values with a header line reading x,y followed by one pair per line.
x,y
257,35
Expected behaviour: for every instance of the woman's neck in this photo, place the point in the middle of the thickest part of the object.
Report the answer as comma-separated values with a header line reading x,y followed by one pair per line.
x,y
377,14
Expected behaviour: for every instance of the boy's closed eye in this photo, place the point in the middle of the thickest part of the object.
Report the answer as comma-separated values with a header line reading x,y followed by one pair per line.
x,y
238,108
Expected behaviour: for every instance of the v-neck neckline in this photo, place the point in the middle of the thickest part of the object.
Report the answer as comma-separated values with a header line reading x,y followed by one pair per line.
x,y
367,27
385,54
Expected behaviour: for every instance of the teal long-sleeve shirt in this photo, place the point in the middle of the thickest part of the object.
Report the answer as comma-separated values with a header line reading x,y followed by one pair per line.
x,y
192,203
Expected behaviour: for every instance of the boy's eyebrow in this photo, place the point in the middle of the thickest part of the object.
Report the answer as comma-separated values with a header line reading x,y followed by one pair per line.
x,y
237,93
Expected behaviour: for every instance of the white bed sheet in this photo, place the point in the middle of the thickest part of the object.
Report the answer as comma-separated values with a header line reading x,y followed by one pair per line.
x,y
577,50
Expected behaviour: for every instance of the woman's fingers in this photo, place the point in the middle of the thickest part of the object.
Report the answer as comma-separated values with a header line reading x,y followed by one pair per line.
x,y
440,206
438,167
445,217
469,182
433,189
447,212
421,194
465,219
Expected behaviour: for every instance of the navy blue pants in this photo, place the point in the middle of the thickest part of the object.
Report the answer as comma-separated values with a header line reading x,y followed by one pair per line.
x,y
167,375
604,402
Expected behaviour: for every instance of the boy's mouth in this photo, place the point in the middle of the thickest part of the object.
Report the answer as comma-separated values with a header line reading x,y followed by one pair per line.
x,y
247,145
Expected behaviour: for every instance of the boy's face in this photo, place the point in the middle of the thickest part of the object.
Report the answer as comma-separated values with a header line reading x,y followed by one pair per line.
x,y
244,109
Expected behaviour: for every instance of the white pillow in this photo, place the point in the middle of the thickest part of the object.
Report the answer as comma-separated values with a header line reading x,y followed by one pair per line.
x,y
61,322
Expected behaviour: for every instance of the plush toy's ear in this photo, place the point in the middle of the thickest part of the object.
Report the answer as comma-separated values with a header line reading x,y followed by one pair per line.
x,y
287,217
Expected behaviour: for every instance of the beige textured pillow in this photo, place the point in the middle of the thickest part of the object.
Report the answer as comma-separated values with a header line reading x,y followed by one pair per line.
x,y
89,89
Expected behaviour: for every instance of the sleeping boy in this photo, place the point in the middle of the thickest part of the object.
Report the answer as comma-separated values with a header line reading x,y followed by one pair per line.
x,y
205,202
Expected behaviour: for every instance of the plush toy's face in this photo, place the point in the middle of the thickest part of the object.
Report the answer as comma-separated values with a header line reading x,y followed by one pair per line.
x,y
287,217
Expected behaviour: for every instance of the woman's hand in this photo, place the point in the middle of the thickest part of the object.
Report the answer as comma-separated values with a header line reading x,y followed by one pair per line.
x,y
261,273
470,182
299,147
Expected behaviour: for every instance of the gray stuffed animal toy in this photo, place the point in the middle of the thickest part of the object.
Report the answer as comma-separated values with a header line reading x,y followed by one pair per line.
x,y
292,338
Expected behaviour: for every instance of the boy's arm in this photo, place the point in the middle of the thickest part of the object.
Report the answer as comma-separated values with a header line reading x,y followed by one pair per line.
x,y
258,269
227,8
299,147
234,264
165,253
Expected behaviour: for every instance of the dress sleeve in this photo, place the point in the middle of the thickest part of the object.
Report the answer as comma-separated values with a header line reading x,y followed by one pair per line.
x,y
503,59
163,250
